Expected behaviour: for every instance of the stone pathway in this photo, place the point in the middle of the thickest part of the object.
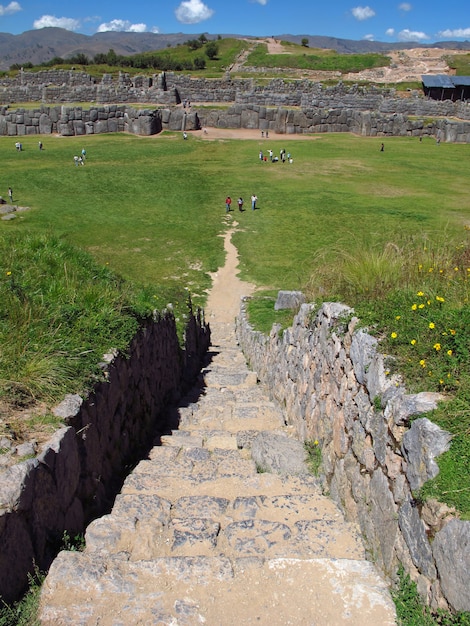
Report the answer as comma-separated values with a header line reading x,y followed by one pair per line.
x,y
198,535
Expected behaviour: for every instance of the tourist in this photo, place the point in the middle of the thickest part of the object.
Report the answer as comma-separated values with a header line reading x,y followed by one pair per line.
x,y
10,193
240,203
185,135
261,156
254,198
83,153
40,145
382,147
228,203
262,134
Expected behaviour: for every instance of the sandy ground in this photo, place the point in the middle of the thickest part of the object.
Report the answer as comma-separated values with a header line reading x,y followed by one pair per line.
x,y
243,133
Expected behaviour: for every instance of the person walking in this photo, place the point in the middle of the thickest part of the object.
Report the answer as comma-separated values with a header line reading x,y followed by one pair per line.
x,y
254,198
228,204
240,203
40,145
10,194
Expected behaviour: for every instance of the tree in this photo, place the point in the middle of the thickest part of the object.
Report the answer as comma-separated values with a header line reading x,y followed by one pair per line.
x,y
304,42
199,63
212,50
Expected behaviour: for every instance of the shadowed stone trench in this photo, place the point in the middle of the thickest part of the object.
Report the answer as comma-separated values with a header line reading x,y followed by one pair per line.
x,y
203,534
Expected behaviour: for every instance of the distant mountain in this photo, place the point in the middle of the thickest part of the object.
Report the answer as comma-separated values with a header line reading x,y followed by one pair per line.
x,y
39,46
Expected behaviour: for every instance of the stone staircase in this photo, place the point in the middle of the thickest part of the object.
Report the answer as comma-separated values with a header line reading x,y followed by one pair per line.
x,y
200,535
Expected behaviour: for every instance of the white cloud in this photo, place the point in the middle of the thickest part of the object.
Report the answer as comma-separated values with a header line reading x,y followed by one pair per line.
x,y
11,8
362,13
390,32
405,6
123,26
412,35
192,12
369,37
262,2
59,22
463,33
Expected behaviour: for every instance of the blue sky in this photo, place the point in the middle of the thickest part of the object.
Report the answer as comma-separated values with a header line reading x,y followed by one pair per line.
x,y
423,21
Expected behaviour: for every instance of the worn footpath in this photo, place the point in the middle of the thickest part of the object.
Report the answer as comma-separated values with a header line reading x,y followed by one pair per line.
x,y
203,533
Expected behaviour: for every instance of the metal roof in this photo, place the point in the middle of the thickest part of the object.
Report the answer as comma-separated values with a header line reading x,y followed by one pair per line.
x,y
438,80
445,82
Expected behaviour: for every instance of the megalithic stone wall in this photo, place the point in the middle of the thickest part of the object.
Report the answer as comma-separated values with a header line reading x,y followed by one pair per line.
x,y
77,473
332,382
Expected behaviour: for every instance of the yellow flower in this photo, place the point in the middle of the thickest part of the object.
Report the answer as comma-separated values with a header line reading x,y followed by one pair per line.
x,y
420,293
452,331
423,363
437,347
440,299
413,342
432,325
397,317
414,307
431,269
441,382
449,352
421,306
456,269
8,273
429,302
315,443
394,335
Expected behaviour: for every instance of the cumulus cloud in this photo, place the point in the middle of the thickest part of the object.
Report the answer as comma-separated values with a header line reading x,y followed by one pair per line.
x,y
11,8
412,35
405,6
458,33
119,26
390,32
262,2
193,12
47,21
369,37
362,13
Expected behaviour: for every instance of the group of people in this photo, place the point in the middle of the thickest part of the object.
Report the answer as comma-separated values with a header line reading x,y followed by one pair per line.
x,y
240,202
80,160
283,156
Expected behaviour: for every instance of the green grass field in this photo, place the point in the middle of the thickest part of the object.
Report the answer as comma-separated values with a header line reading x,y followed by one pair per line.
x,y
343,221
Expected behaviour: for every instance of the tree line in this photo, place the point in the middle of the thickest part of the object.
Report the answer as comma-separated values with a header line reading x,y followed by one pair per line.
x,y
158,60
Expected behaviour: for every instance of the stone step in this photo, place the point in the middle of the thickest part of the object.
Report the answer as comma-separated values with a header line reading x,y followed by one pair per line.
x,y
147,527
82,589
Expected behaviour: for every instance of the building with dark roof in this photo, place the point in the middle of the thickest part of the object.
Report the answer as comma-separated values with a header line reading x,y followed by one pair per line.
x,y
443,87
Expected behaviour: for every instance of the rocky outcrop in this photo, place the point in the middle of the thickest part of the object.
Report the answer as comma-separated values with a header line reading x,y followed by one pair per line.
x,y
75,476
334,386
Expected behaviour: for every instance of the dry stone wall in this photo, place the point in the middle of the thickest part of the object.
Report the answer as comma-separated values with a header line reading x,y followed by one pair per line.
x,y
332,382
77,473
282,106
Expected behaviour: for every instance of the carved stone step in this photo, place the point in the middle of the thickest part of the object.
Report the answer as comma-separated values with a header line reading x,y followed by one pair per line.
x,y
83,590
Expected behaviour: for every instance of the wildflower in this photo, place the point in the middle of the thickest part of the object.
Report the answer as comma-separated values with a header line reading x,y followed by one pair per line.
x,y
8,273
421,306
432,325
397,317
441,382
420,294
431,269
315,443
440,299
449,352
420,267
437,347
394,335
429,302
413,342
423,362
452,331
414,307
456,269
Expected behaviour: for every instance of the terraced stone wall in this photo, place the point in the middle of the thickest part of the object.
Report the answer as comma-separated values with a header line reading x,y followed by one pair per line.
x,y
78,472
332,382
